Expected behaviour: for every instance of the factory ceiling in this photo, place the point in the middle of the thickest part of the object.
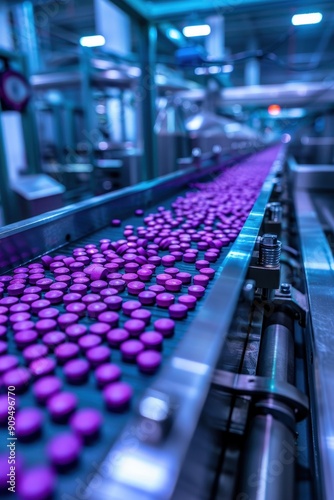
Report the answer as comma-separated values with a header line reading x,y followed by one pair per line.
x,y
253,29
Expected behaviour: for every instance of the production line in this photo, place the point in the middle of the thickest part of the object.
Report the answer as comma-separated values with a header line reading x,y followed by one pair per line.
x,y
206,392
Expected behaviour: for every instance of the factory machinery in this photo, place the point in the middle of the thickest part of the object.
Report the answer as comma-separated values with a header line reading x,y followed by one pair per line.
x,y
240,401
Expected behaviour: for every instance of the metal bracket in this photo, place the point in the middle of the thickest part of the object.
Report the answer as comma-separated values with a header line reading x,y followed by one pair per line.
x,y
263,387
264,277
296,300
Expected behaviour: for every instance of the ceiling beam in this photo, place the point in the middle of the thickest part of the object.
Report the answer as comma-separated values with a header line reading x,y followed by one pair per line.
x,y
168,10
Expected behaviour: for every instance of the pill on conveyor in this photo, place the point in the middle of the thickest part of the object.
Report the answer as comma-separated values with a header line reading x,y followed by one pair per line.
x,y
107,373
38,305
78,308
62,405
188,300
96,308
135,327
53,339
178,311
37,483
147,297
35,351
196,290
152,340
88,341
54,296
165,326
8,362
173,285
165,299
117,396
44,326
109,317
64,449
46,387
28,423
86,422
117,336
201,279
71,297
130,349
67,319
208,271
149,361
129,306
98,355
48,313
25,337
66,351
76,371
42,366
142,314
18,378
135,287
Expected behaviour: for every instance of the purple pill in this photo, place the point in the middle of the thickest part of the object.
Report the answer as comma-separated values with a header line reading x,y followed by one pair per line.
x,y
67,319
178,311
45,388
58,286
48,313
184,277
189,257
165,326
44,326
109,317
17,308
29,423
117,396
79,289
98,285
90,298
142,314
66,351
149,361
98,355
152,340
130,306
207,271
165,299
157,288
135,327
8,362
38,305
76,371
147,297
196,290
86,423
61,405
201,279
94,310
71,297
188,300
88,341
52,339
76,308
37,483
64,449
3,347
20,326
18,377
33,352
100,329
114,303
173,285
54,296
130,350
42,366
106,374
8,301
25,338
44,283
161,279
116,336
168,260
16,289
135,287
75,331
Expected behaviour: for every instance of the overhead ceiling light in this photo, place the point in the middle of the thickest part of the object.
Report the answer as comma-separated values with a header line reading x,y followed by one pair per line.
x,y
197,30
213,70
274,109
92,41
174,34
227,68
200,71
310,18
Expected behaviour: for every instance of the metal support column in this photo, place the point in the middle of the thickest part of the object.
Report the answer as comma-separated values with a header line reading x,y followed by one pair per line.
x,y
147,95
6,195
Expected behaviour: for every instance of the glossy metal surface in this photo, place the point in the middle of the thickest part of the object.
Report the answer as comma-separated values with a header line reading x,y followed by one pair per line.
x,y
184,381
319,272
311,176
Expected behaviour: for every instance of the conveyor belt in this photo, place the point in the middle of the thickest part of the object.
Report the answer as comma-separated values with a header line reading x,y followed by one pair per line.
x,y
76,478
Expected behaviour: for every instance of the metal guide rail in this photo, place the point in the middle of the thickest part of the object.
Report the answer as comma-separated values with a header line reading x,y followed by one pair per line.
x,y
176,397
319,273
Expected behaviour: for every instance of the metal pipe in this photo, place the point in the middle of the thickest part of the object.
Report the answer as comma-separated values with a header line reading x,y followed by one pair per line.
x,y
276,358
269,461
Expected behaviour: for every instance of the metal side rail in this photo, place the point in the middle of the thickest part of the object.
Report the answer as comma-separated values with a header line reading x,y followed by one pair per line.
x,y
169,412
319,273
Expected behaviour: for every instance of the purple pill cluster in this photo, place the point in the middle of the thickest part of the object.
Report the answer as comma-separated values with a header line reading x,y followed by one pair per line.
x,y
67,314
